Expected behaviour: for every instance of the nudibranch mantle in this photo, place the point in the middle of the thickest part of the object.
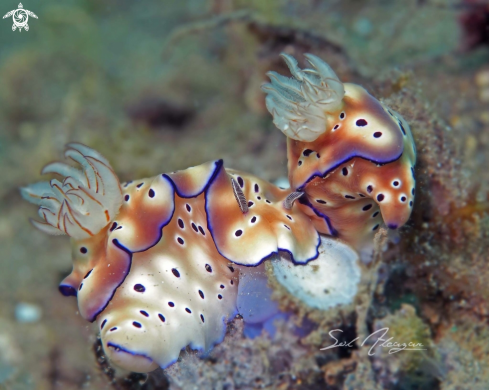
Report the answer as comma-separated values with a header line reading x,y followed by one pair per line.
x,y
353,132
357,170
267,227
159,275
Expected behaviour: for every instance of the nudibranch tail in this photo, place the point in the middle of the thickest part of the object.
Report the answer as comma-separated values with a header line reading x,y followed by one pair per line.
x,y
300,105
84,202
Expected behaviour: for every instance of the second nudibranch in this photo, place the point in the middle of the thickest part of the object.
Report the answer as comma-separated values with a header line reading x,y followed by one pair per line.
x,y
351,156
154,260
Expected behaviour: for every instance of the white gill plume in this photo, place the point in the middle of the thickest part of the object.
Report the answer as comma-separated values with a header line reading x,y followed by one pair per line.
x,y
84,202
300,105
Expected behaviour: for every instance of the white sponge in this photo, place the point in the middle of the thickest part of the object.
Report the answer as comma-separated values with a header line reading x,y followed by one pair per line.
x,y
330,280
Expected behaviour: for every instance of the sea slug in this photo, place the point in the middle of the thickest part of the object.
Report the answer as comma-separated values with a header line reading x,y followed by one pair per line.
x,y
351,156
154,260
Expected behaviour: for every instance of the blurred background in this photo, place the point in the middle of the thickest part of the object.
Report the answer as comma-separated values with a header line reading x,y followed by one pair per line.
x,y
157,86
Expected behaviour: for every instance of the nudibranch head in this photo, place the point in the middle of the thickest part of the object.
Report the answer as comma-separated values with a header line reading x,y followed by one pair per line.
x,y
358,168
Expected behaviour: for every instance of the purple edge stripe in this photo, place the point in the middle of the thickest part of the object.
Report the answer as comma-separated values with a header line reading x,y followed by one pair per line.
x,y
130,253
209,227
306,202
67,290
109,344
218,165
129,264
328,170
192,346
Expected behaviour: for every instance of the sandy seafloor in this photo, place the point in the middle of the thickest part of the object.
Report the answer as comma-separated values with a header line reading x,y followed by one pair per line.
x,y
162,85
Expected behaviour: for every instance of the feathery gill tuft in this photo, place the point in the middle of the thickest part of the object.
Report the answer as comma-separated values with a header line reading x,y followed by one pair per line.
x,y
300,105
84,202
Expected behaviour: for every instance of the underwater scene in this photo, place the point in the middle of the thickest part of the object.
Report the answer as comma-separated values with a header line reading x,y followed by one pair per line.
x,y
244,194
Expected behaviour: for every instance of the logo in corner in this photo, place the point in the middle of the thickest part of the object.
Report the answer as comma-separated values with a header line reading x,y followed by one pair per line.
x,y
20,16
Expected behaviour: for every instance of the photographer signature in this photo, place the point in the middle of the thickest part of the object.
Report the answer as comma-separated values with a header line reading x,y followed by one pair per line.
x,y
394,346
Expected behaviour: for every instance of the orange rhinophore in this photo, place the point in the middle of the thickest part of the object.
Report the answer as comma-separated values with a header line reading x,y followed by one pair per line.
x,y
351,155
154,259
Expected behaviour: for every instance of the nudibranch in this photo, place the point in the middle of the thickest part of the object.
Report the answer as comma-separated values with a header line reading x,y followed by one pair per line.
x,y
154,260
350,155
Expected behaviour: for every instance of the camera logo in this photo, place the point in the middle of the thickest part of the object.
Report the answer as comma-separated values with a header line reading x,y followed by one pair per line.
x,y
20,16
